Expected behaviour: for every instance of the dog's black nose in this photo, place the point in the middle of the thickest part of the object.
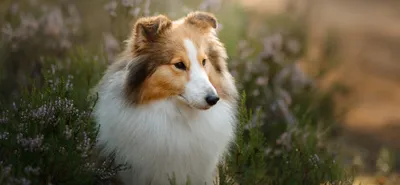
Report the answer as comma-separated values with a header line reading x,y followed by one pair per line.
x,y
212,99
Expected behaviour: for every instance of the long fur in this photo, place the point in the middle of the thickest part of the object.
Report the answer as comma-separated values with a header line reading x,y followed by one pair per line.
x,y
165,137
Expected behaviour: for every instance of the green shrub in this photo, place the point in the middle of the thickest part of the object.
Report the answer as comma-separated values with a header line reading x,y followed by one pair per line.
x,y
48,134
48,137
29,31
293,158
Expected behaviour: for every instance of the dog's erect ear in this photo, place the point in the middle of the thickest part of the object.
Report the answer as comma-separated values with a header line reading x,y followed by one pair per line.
x,y
202,20
149,29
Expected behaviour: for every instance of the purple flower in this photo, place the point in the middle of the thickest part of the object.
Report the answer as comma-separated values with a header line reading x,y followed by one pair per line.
x,y
14,8
67,132
272,46
68,84
146,9
30,144
210,5
14,106
25,181
85,145
293,46
3,120
74,21
135,11
111,7
127,3
61,150
7,170
261,81
7,31
4,135
54,23
31,170
111,45
314,159
285,140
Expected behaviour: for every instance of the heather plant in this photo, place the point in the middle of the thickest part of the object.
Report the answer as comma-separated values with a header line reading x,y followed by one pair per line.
x,y
295,157
48,134
31,29
287,134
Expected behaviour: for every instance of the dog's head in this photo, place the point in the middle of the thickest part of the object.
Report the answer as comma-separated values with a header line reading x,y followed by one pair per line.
x,y
180,59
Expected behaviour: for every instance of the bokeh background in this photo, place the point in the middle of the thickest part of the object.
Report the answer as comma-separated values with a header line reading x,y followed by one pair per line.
x,y
346,51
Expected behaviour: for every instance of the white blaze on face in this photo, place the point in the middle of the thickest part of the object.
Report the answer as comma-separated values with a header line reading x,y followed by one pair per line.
x,y
199,86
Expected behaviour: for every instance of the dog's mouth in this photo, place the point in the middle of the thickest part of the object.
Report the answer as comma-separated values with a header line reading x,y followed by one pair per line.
x,y
183,98
187,102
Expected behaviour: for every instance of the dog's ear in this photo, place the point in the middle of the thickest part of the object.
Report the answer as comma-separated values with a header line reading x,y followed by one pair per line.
x,y
202,20
149,29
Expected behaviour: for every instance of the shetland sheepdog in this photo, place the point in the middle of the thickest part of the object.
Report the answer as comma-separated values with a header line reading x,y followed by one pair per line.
x,y
167,106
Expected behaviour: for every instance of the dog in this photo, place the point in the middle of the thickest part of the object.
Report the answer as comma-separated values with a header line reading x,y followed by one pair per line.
x,y
167,106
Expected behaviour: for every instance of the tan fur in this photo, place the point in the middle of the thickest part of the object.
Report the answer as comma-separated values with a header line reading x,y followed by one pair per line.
x,y
202,20
159,43
156,37
182,133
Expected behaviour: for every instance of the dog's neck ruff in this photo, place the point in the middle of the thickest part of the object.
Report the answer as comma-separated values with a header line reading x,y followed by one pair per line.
x,y
162,137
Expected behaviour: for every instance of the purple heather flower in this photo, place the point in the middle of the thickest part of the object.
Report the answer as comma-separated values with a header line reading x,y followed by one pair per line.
x,y
7,32
61,150
146,8
111,7
314,159
74,21
54,23
25,181
261,81
67,132
210,5
85,145
14,106
31,144
3,120
135,11
4,135
28,27
127,3
14,8
31,170
111,45
68,84
7,170
293,46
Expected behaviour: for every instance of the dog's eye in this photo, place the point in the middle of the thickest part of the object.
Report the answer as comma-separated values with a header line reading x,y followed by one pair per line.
x,y
180,65
204,62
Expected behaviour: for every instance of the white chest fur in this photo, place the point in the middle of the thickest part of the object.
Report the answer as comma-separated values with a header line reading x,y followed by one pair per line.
x,y
163,137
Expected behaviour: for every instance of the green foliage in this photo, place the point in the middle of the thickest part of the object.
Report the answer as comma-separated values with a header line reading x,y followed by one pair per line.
x,y
50,137
295,157
48,134
245,161
31,30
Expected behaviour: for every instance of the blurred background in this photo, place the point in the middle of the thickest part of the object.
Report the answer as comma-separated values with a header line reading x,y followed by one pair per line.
x,y
345,50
